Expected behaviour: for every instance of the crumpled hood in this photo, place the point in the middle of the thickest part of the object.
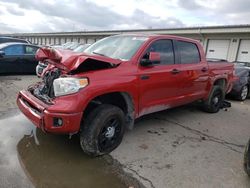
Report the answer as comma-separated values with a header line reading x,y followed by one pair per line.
x,y
68,60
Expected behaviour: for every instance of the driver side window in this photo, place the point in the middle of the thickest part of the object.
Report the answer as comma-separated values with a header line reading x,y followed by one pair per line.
x,y
31,50
165,48
14,50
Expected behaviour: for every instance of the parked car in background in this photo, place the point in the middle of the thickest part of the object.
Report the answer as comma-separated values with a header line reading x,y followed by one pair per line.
x,y
240,90
246,162
43,64
66,46
17,58
10,39
54,46
72,46
100,93
81,48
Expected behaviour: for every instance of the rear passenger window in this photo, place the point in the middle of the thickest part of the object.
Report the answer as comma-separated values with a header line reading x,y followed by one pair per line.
x,y
165,48
189,52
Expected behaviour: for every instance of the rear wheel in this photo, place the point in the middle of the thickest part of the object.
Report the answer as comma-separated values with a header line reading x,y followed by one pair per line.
x,y
247,159
215,100
103,130
243,93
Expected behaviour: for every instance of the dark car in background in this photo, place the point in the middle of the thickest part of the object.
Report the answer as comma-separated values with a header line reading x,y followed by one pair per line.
x,y
246,163
18,58
240,90
11,39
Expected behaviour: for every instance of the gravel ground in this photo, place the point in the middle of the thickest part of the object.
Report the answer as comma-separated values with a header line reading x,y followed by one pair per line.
x,y
9,87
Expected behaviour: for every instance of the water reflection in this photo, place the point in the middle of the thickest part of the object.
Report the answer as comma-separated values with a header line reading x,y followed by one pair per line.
x,y
51,160
12,130
59,162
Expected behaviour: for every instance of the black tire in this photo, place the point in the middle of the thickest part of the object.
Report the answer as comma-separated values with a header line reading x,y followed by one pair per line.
x,y
243,94
215,100
102,130
246,163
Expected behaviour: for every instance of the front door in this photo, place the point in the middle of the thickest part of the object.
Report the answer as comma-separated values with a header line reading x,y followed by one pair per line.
x,y
10,61
159,84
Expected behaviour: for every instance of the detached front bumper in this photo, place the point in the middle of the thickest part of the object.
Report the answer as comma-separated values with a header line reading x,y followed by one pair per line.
x,y
38,113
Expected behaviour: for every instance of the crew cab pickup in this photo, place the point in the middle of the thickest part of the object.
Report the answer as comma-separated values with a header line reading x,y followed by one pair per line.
x,y
100,92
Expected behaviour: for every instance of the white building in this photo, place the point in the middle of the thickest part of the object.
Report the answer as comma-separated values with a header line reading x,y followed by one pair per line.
x,y
224,42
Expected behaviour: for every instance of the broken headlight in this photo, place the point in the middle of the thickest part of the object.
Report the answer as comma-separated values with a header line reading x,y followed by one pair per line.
x,y
65,86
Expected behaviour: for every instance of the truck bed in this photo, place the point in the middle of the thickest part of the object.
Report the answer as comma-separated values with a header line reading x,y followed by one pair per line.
x,y
218,68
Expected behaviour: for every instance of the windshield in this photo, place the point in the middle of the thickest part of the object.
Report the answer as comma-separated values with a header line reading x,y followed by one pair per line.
x,y
117,47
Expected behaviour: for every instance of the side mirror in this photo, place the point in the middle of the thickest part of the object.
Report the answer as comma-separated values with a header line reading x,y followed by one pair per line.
x,y
2,53
154,58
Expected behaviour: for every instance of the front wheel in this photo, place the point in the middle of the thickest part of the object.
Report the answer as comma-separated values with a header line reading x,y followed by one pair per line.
x,y
103,130
247,159
215,100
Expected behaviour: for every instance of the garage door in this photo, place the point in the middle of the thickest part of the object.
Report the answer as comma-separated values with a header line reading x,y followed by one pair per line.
x,y
39,41
63,40
82,40
218,49
244,51
57,40
90,41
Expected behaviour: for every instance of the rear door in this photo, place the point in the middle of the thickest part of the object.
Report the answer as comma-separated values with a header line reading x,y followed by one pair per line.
x,y
29,61
10,62
193,70
159,84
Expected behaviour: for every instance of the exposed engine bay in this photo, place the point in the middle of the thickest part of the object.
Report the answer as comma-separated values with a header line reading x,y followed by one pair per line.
x,y
44,90
93,65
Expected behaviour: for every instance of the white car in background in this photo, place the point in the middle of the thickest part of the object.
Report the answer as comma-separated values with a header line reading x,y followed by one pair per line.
x,y
78,49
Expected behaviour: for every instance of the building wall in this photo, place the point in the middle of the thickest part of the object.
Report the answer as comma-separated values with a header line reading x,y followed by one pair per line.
x,y
235,34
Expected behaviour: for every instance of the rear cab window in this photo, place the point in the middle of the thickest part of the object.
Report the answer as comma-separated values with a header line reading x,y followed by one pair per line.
x,y
188,52
165,48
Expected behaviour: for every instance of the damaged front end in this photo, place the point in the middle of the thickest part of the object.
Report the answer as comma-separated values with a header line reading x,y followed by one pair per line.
x,y
44,90
63,66
73,63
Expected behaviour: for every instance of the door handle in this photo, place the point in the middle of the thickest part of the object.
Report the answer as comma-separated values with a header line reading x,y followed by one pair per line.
x,y
204,69
145,77
175,71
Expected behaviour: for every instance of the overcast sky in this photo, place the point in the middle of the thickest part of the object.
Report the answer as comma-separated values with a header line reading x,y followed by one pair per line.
x,y
78,15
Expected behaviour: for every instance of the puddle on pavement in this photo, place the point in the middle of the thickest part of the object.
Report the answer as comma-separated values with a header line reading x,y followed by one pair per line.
x,y
51,160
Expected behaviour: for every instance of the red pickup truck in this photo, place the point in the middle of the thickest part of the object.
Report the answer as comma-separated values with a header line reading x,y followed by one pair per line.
x,y
99,93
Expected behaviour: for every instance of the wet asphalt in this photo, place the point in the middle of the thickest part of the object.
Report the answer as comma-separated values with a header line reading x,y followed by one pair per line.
x,y
182,147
